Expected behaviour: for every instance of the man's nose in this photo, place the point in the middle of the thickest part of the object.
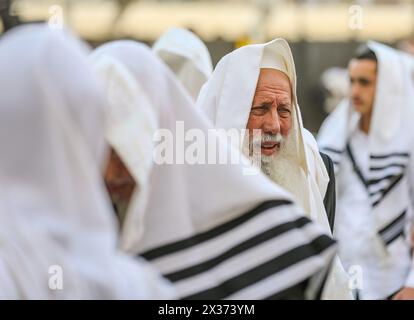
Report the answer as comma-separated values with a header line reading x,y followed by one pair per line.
x,y
272,122
354,90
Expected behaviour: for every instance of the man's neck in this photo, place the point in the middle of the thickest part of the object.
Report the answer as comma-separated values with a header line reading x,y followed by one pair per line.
x,y
365,122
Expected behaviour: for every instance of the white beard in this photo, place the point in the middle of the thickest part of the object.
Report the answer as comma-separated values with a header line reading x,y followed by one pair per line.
x,y
283,168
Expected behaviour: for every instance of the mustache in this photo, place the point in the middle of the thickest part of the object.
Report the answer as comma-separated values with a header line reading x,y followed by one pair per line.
x,y
257,140
272,138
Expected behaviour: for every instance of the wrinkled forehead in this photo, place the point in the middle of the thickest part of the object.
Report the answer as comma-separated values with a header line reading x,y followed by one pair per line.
x,y
274,82
274,77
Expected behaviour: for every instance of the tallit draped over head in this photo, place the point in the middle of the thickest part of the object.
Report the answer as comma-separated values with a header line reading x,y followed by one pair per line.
x,y
391,136
187,56
388,176
55,214
391,105
227,99
210,229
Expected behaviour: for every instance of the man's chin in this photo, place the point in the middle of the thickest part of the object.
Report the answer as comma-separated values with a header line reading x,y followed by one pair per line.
x,y
360,108
269,152
267,159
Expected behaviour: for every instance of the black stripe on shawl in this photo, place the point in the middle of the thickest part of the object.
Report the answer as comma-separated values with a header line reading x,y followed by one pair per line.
x,y
240,248
212,233
389,155
389,238
269,268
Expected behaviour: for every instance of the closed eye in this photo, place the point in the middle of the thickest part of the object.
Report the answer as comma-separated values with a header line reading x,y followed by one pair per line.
x,y
284,111
260,109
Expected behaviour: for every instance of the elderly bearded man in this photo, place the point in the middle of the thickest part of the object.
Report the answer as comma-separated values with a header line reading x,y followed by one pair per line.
x,y
254,87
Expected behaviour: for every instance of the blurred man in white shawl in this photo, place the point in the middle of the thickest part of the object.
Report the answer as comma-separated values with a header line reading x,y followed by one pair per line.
x,y
335,84
254,88
187,57
370,137
213,232
57,232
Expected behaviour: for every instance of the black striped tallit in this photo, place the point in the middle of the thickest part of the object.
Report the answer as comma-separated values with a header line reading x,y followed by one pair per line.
x,y
382,185
394,229
390,180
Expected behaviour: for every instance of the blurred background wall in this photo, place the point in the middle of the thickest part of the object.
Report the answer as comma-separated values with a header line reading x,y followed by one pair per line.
x,y
323,34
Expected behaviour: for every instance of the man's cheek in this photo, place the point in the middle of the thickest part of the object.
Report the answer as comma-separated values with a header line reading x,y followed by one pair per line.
x,y
286,127
253,122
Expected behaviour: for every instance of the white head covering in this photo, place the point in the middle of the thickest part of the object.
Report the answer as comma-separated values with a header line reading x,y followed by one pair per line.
x,y
389,148
390,127
194,212
390,131
391,136
187,56
227,98
54,210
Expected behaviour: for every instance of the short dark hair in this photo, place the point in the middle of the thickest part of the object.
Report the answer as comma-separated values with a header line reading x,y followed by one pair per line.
x,y
364,52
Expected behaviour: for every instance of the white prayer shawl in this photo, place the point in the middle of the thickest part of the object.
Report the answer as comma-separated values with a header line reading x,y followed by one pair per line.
x,y
187,56
408,60
57,229
391,141
210,229
227,98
